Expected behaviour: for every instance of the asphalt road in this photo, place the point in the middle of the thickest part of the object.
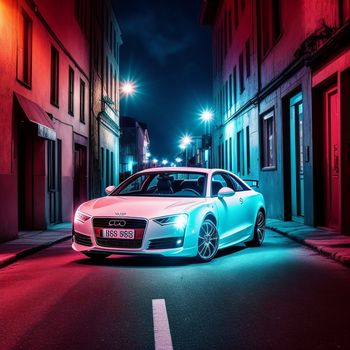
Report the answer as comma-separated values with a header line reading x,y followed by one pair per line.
x,y
279,296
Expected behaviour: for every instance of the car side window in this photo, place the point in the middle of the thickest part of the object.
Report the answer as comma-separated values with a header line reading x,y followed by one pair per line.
x,y
219,181
236,185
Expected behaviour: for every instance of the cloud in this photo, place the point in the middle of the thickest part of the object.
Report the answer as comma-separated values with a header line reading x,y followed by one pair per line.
x,y
161,39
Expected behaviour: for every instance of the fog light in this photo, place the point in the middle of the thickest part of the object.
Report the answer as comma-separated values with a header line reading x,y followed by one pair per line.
x,y
179,242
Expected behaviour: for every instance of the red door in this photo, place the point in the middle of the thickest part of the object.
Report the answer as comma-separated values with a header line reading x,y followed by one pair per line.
x,y
331,158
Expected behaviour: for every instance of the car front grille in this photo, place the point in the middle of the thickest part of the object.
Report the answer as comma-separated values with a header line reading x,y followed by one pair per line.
x,y
139,225
130,223
119,243
165,243
82,239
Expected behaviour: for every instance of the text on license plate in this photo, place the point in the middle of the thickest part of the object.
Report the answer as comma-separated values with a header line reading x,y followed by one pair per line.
x,y
118,233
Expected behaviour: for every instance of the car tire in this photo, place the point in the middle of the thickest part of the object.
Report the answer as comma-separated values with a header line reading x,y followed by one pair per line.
x,y
96,256
208,241
259,231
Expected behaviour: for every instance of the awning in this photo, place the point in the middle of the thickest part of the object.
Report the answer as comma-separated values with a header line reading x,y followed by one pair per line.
x,y
35,114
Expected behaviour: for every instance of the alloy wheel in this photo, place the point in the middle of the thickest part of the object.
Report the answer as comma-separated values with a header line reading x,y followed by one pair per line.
x,y
208,241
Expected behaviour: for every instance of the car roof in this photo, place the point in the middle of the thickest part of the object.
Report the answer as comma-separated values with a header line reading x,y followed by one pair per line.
x,y
179,169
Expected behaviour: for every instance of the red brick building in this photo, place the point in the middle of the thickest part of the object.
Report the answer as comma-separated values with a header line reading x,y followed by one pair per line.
x,y
44,113
281,90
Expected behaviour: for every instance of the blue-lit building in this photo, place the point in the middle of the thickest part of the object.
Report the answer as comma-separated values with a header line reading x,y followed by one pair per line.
x,y
281,83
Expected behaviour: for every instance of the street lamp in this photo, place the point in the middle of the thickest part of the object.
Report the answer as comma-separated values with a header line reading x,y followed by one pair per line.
x,y
207,117
164,162
185,141
127,88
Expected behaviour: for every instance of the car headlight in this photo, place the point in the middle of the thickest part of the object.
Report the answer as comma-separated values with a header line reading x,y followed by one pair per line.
x,y
81,217
179,221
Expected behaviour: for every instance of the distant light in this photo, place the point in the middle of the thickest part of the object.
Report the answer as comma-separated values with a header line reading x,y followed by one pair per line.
x,y
186,140
182,146
128,88
155,160
178,160
207,115
164,162
172,164
148,154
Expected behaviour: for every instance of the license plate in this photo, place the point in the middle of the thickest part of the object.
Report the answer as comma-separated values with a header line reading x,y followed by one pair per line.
x,y
118,233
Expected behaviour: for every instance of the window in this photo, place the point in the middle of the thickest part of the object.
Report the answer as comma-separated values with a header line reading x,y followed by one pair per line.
x,y
111,80
240,153
344,10
230,28
107,168
247,57
112,168
242,5
106,73
82,101
268,151
235,13
24,50
247,138
71,91
102,163
226,96
54,76
234,88
219,156
241,73
270,19
230,91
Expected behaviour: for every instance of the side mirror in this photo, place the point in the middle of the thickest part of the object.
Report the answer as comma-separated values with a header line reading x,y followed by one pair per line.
x,y
110,189
225,192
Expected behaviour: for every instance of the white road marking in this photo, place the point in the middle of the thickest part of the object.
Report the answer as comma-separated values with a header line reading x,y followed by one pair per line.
x,y
162,336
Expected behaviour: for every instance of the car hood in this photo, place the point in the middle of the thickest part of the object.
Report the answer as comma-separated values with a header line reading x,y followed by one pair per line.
x,y
145,207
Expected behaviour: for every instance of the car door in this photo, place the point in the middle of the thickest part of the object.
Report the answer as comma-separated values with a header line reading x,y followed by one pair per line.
x,y
229,210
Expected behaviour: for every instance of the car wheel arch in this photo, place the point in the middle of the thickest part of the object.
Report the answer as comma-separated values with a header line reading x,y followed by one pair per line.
x,y
210,216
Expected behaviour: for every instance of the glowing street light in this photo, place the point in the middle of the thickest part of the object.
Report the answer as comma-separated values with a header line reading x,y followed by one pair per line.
x,y
164,162
128,88
207,115
185,141
155,161
178,160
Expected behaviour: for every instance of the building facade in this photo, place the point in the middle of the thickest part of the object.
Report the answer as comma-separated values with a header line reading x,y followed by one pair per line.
x,y
44,109
134,147
281,83
104,118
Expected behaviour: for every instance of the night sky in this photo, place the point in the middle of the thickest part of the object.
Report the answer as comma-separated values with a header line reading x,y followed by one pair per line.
x,y
167,52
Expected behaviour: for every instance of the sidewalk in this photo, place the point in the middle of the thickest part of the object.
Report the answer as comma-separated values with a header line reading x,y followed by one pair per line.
x,y
328,243
29,242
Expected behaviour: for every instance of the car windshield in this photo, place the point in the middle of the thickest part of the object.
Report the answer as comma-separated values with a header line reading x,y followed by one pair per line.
x,y
164,184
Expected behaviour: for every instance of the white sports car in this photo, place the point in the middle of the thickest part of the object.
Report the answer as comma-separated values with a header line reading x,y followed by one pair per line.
x,y
187,212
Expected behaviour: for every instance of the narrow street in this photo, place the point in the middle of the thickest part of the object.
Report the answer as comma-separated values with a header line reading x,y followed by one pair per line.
x,y
279,296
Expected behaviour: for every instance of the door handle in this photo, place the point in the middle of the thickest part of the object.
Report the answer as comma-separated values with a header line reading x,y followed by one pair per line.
x,y
241,200
336,159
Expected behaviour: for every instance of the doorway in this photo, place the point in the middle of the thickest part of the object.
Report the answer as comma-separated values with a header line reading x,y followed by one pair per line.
x,y
331,155
80,175
296,138
54,176
25,147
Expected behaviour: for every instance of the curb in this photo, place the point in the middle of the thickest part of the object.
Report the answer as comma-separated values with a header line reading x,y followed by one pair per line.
x,y
319,249
30,251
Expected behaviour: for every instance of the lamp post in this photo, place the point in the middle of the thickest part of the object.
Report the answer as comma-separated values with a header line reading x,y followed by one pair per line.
x,y
207,117
185,141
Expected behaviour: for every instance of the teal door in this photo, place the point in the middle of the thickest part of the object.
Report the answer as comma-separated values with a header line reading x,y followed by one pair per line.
x,y
297,157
